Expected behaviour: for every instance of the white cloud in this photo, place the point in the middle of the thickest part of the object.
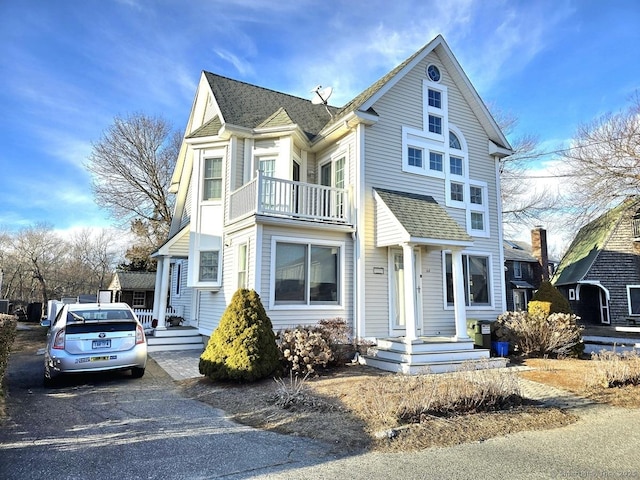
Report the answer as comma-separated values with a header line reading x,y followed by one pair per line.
x,y
243,66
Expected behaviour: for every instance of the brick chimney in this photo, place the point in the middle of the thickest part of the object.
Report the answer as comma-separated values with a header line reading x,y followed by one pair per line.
x,y
539,251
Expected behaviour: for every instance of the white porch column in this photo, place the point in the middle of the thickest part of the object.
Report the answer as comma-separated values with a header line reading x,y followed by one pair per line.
x,y
164,293
458,295
409,293
156,294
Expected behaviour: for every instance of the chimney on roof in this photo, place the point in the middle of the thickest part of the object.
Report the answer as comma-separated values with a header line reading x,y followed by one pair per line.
x,y
539,251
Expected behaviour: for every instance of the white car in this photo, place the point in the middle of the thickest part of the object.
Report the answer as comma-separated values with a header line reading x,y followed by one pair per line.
x,y
94,337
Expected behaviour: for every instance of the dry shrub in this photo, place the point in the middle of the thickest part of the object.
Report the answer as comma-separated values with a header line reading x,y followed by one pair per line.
x,y
303,349
613,369
541,335
410,399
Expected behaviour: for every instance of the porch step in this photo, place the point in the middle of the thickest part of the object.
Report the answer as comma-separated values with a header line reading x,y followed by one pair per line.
x,y
176,332
595,344
441,366
429,345
453,355
175,339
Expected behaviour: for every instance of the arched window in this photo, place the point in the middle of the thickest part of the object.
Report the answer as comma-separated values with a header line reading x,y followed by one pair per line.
x,y
454,142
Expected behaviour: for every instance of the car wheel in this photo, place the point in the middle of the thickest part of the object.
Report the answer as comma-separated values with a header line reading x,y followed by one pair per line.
x,y
137,372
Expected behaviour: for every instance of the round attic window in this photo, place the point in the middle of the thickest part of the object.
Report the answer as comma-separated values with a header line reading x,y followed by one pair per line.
x,y
433,73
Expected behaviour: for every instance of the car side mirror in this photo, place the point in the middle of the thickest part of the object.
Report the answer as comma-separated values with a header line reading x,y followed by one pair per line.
x,y
45,322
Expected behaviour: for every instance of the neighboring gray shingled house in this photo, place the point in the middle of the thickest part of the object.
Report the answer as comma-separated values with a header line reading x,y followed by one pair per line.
x,y
600,272
384,212
134,288
526,266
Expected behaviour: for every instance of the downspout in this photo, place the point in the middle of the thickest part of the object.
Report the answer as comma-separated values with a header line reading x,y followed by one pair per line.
x,y
358,275
503,287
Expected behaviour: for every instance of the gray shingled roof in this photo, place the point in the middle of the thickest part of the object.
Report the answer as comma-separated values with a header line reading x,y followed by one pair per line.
x,y
516,250
589,242
209,129
422,216
136,280
247,105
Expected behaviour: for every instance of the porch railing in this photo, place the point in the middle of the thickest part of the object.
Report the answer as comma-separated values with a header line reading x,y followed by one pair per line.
x,y
146,315
278,197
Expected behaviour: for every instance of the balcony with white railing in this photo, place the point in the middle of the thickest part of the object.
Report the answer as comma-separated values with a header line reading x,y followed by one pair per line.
x,y
289,199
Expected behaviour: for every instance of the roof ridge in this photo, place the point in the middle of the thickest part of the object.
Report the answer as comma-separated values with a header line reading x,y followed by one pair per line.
x,y
262,88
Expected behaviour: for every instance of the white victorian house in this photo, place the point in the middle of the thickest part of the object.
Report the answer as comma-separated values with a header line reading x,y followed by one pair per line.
x,y
384,212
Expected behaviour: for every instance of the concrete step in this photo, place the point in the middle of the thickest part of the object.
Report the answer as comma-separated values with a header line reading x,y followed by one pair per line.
x,y
427,345
175,347
444,366
175,332
428,357
174,340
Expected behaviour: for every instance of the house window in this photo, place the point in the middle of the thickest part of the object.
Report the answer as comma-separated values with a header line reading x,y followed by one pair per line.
x,y
414,157
212,186
242,265
454,141
457,192
475,271
475,194
139,299
435,124
435,161
435,98
477,221
633,297
455,166
517,269
209,266
306,274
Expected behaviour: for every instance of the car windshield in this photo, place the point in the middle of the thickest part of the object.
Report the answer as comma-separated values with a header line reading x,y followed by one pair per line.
x,y
98,315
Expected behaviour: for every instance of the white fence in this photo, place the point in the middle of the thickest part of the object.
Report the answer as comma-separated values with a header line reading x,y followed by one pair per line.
x,y
146,316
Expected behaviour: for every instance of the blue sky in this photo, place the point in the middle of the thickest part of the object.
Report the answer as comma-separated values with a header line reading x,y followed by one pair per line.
x,y
70,66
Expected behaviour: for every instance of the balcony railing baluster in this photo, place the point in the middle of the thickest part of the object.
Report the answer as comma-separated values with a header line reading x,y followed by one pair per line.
x,y
286,198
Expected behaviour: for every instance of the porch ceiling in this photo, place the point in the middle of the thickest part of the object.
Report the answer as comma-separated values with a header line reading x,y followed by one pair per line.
x,y
412,218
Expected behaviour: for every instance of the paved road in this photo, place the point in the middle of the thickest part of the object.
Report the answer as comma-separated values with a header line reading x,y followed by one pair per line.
x,y
118,427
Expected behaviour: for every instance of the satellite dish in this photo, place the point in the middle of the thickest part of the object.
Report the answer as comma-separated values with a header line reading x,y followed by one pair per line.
x,y
321,95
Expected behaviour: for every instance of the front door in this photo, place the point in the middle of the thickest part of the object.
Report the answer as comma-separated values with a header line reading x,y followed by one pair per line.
x,y
519,300
398,290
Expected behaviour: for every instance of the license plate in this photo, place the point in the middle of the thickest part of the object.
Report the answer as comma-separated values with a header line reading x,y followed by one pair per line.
x,y
99,359
101,344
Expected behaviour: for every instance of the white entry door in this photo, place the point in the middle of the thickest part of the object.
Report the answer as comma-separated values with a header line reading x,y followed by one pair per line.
x,y
398,290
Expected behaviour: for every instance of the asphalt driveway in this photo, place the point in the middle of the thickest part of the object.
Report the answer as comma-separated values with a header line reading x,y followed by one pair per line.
x,y
115,427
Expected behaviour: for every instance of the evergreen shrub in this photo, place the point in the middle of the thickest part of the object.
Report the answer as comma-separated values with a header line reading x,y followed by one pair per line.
x,y
548,300
243,346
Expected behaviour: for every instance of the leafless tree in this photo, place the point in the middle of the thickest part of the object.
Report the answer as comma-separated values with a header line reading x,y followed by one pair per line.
x,y
131,167
521,204
602,164
39,253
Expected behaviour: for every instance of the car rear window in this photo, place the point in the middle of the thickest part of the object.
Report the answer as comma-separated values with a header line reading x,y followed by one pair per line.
x,y
100,327
98,315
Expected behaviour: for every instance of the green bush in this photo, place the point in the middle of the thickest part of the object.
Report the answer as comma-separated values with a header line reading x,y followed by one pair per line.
x,y
8,324
243,347
541,335
548,300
